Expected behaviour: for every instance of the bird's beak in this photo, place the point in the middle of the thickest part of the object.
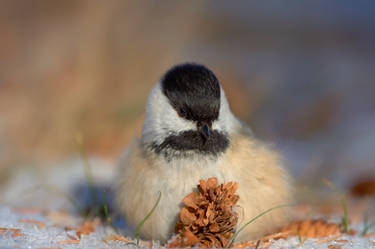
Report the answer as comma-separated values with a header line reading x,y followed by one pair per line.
x,y
205,131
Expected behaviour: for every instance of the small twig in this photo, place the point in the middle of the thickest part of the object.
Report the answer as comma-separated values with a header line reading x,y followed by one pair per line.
x,y
257,244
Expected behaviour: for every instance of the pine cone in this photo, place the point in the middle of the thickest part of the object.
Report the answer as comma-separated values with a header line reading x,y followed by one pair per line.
x,y
208,217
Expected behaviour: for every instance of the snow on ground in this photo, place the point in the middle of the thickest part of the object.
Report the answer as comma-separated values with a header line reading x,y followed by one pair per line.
x,y
55,235
32,215
48,236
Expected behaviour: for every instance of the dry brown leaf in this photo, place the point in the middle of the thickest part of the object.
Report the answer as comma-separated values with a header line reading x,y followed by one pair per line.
x,y
342,241
245,244
364,188
118,237
15,231
177,243
277,236
19,234
69,242
312,228
208,217
86,228
334,246
68,229
368,235
71,237
328,240
265,241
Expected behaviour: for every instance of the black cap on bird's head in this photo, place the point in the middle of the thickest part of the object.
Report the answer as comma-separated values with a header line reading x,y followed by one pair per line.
x,y
194,92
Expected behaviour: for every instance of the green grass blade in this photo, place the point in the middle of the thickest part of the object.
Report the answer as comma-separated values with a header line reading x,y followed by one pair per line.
x,y
146,218
251,221
345,218
106,213
367,228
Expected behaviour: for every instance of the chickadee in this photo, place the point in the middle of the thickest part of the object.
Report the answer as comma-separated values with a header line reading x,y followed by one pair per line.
x,y
191,134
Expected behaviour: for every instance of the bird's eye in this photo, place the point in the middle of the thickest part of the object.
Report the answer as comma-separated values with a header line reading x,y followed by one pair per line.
x,y
181,112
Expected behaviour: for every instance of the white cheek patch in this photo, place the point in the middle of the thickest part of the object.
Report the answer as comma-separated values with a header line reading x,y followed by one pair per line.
x,y
162,119
170,121
226,121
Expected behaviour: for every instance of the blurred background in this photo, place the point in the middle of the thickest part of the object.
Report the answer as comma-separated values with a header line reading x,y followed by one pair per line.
x,y
301,75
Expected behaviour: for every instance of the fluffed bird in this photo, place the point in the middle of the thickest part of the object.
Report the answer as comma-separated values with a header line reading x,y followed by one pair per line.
x,y
190,134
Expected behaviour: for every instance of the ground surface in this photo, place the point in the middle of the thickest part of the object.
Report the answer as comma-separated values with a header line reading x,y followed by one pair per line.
x,y
35,213
33,228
